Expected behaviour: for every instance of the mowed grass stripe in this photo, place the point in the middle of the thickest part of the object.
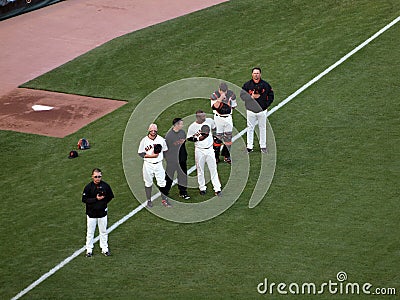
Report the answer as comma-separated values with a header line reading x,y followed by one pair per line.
x,y
281,104
313,220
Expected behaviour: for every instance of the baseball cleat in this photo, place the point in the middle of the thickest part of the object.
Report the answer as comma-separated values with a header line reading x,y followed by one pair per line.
x,y
264,150
249,150
107,253
88,254
166,203
149,204
228,160
185,196
219,194
203,192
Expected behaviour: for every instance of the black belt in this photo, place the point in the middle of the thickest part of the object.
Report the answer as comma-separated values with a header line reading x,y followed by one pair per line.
x,y
153,163
205,148
224,116
256,112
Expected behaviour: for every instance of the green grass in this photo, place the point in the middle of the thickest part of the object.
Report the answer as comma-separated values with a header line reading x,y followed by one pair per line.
x,y
333,203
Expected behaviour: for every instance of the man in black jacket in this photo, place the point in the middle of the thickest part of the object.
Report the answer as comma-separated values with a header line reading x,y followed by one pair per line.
x,y
97,194
258,96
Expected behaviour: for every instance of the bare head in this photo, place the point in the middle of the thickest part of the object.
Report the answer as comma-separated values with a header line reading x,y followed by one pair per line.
x,y
96,175
200,116
153,131
177,124
256,74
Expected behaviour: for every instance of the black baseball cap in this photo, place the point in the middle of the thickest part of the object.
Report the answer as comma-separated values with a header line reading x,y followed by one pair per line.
x,y
73,154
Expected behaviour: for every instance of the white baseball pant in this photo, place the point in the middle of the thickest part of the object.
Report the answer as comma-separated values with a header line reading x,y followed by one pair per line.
x,y
203,156
91,227
150,171
252,119
223,124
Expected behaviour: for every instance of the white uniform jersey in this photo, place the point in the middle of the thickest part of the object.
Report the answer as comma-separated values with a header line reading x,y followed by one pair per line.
x,y
195,130
147,146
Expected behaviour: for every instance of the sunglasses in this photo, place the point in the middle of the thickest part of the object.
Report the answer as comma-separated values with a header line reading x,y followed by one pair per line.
x,y
97,176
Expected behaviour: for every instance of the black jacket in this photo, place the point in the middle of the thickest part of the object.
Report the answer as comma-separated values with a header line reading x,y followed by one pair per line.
x,y
266,95
96,208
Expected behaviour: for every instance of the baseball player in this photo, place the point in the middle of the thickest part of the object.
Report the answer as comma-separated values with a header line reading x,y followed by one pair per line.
x,y
97,194
223,101
258,96
199,133
151,149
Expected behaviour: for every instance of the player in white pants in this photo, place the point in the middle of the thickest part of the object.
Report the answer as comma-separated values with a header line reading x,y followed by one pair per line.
x,y
223,101
152,164
204,152
97,194
258,96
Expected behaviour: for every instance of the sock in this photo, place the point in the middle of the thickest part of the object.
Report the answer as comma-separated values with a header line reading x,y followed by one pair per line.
x,y
148,192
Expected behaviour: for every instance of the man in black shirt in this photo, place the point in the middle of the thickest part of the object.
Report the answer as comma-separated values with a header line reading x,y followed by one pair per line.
x,y
176,157
97,194
258,96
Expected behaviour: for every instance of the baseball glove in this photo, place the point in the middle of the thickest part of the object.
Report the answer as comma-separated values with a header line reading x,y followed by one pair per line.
x,y
157,148
205,130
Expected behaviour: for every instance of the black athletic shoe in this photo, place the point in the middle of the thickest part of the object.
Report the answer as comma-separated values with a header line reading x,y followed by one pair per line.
x,y
219,194
88,254
107,253
249,150
203,192
185,196
149,204
228,160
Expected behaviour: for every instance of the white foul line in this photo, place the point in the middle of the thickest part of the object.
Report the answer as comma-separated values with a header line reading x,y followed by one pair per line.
x,y
274,109
340,61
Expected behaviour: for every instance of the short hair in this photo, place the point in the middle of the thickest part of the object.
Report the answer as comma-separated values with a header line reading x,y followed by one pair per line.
x,y
256,68
152,127
176,120
223,86
97,170
199,112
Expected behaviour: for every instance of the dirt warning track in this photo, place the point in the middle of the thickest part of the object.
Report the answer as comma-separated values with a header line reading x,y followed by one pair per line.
x,y
39,41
